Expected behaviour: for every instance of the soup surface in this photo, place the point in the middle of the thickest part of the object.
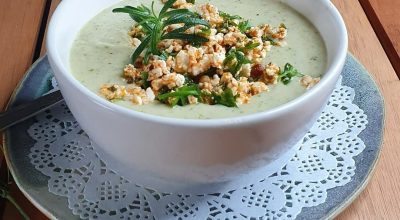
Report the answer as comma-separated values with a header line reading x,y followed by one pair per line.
x,y
102,49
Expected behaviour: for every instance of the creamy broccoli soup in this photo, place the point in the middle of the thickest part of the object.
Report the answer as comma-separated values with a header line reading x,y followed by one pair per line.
x,y
233,66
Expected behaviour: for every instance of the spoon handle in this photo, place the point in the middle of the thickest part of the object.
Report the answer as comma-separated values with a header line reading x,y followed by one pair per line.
x,y
22,112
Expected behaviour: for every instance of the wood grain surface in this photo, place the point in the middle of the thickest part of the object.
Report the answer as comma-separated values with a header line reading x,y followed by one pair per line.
x,y
384,18
380,200
19,24
52,8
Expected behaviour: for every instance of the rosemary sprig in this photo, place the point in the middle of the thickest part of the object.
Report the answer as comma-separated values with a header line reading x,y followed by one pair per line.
x,y
154,26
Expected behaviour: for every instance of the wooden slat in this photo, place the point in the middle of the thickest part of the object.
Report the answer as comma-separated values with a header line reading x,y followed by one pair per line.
x,y
53,6
381,199
19,22
383,15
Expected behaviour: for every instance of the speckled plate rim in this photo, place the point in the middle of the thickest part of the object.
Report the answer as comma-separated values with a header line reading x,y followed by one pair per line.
x,y
332,214
353,196
4,146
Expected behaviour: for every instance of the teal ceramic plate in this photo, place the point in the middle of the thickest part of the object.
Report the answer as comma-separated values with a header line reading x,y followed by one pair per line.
x,y
33,183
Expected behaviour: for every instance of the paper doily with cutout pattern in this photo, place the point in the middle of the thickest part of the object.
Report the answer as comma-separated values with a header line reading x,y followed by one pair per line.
x,y
321,161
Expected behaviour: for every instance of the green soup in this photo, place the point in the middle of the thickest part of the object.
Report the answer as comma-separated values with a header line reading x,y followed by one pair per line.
x,y
101,50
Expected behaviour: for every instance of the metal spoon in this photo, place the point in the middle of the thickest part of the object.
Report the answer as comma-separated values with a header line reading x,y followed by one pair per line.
x,y
22,112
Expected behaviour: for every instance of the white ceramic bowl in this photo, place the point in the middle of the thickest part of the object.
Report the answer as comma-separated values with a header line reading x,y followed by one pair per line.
x,y
184,149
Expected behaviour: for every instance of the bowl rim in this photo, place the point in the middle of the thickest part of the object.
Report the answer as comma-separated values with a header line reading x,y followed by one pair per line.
x,y
330,74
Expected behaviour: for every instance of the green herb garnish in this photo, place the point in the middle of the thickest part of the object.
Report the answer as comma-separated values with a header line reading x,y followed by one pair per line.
x,y
205,32
235,20
234,61
227,16
226,98
288,73
153,26
249,46
229,20
244,26
180,96
273,41
145,84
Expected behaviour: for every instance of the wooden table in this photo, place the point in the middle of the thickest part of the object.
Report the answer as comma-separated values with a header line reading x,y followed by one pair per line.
x,y
374,36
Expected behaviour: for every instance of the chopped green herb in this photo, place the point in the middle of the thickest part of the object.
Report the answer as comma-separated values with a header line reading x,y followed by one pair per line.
x,y
288,73
229,20
144,82
230,57
244,26
226,98
249,46
227,16
270,39
180,96
234,61
241,59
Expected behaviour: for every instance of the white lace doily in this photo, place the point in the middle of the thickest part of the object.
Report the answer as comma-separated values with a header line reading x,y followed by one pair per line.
x,y
322,161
